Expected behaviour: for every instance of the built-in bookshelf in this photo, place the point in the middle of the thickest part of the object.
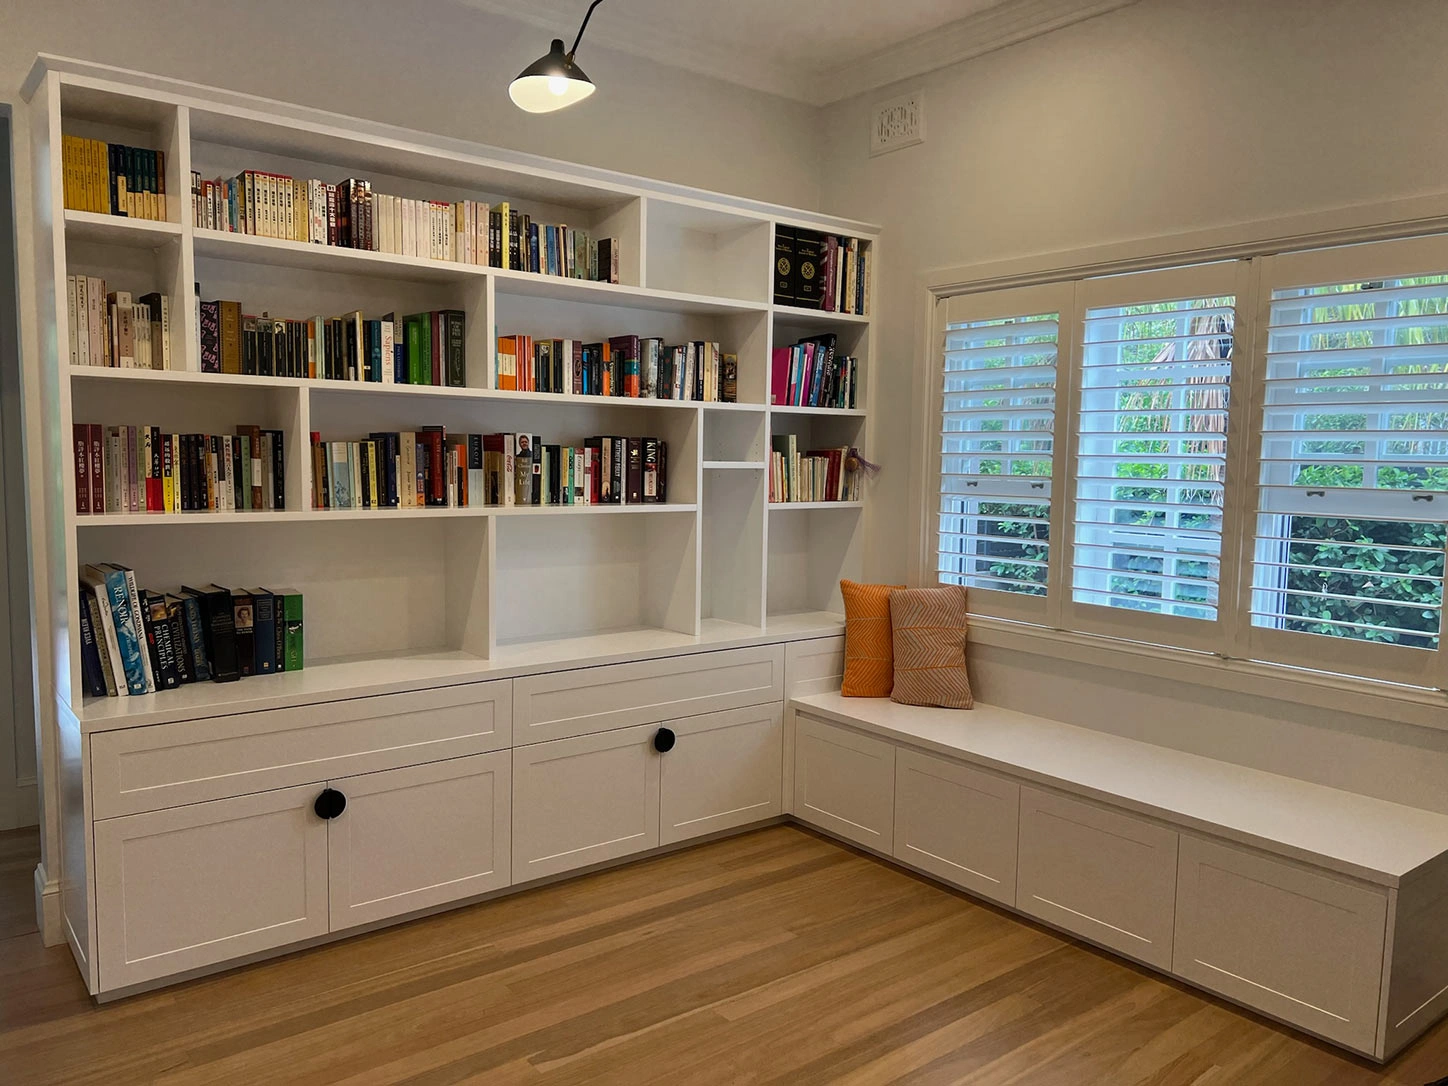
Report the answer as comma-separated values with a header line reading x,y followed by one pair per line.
x,y
439,594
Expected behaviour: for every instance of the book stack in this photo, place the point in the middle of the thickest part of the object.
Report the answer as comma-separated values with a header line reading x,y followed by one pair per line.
x,y
431,468
113,329
820,475
628,366
418,349
350,214
811,374
139,469
136,641
113,179
822,271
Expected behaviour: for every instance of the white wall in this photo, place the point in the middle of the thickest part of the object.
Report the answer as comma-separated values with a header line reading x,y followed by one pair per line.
x,y
1162,117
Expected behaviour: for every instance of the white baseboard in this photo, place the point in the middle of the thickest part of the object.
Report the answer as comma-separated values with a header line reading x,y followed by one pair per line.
x,y
47,908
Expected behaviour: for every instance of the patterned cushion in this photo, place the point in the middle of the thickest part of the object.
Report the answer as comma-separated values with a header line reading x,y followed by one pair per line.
x,y
930,628
869,662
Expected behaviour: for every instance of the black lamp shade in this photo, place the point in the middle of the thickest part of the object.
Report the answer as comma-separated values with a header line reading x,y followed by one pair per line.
x,y
550,82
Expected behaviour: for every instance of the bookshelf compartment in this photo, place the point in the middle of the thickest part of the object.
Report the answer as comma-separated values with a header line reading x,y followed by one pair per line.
x,y
134,121
734,437
565,577
733,547
851,341
810,550
706,251
139,263
372,588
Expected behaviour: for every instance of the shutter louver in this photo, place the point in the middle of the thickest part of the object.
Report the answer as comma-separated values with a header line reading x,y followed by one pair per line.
x,y
1354,463
996,445
1151,456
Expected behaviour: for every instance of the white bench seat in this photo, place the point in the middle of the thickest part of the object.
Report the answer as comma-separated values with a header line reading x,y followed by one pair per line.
x,y
1322,908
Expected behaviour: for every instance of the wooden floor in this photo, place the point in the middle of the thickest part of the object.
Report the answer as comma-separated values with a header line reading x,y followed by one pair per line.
x,y
774,957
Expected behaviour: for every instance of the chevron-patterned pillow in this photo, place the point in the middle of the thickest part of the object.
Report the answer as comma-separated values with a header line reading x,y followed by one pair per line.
x,y
929,642
869,662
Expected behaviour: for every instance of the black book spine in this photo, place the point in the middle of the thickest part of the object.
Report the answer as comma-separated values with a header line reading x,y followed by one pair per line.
x,y
810,275
280,634
178,644
634,469
279,468
784,265
244,628
220,619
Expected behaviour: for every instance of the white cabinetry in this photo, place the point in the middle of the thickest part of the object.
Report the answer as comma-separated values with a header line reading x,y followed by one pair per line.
x,y
844,782
723,772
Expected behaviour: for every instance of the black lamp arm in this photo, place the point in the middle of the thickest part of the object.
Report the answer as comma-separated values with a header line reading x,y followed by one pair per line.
x,y
586,16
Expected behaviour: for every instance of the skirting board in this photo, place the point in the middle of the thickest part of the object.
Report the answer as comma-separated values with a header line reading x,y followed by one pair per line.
x,y
47,909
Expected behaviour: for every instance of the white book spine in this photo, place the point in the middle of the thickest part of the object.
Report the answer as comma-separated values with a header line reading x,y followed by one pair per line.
x,y
388,367
165,332
71,320
82,321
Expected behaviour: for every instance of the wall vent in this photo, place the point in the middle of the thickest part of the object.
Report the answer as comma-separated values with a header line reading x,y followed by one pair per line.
x,y
897,123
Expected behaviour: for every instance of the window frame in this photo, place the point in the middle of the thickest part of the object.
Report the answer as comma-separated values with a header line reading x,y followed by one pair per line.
x,y
998,305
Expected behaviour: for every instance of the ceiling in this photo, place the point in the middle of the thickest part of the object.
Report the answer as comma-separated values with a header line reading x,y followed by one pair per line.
x,y
814,51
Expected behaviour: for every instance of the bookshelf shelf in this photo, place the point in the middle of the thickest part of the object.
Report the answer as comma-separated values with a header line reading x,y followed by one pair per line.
x,y
796,507
408,599
119,230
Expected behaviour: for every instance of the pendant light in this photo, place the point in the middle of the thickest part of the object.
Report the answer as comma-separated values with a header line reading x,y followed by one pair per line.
x,y
552,82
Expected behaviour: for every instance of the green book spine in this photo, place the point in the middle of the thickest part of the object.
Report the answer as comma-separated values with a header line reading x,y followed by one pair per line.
x,y
415,355
292,637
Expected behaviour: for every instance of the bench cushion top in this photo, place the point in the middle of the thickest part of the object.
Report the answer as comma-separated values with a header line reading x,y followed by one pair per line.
x,y
1356,835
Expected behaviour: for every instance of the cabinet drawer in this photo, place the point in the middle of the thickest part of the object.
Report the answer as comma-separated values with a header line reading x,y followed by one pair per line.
x,y
417,837
1303,946
1098,872
724,771
582,801
844,782
958,823
816,666
596,699
147,769
198,885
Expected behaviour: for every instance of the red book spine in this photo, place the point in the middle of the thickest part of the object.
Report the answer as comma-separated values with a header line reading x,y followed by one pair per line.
x,y
95,440
82,468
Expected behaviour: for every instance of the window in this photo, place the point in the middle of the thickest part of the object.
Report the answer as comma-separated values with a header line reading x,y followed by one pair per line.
x,y
1349,553
997,445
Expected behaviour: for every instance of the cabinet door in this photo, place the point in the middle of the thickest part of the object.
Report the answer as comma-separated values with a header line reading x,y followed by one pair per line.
x,y
417,837
1301,945
192,886
1098,872
724,771
585,800
958,823
844,782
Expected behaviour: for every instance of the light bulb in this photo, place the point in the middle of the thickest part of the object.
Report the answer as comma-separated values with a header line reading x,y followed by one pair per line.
x,y
558,86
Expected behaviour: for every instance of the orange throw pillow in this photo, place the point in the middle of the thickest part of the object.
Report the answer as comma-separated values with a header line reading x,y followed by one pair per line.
x,y
930,628
869,659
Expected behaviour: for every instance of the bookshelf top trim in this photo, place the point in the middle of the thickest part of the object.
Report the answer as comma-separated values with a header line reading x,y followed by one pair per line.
x,y
270,125
331,680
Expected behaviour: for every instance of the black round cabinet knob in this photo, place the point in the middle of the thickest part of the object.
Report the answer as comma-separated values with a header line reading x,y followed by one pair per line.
x,y
330,803
664,740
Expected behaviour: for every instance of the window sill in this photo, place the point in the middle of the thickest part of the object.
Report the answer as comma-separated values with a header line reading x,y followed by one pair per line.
x,y
1389,702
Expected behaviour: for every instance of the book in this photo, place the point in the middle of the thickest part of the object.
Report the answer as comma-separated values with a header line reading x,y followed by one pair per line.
x,y
158,641
293,657
784,275
194,630
243,608
103,621
264,655
219,618
129,636
90,651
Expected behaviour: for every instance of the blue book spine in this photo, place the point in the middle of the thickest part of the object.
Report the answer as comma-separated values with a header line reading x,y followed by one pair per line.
x,y
128,642
264,626
90,656
195,638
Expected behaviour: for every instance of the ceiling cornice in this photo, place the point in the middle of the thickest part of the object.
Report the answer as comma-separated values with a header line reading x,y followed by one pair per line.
x,y
983,32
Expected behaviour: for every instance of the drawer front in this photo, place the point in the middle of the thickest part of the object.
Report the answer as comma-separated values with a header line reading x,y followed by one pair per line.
x,y
1098,872
418,837
148,769
596,699
198,885
844,782
816,666
724,771
958,823
1300,945
582,801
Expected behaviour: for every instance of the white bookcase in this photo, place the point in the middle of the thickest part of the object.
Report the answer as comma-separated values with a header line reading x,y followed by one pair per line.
x,y
405,599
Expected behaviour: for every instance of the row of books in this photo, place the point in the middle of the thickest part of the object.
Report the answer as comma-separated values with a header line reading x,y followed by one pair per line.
x,y
811,374
629,366
350,214
431,468
417,349
818,475
822,271
139,469
110,328
113,178
137,641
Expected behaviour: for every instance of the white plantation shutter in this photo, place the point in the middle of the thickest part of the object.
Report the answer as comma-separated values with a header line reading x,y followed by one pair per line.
x,y
1348,562
996,451
1156,364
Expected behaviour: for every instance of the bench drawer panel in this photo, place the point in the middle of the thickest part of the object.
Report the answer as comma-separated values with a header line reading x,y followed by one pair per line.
x,y
584,701
958,823
149,769
1301,945
1098,872
816,666
844,782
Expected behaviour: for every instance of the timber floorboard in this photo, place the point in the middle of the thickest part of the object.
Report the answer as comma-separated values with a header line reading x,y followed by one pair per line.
x,y
774,957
